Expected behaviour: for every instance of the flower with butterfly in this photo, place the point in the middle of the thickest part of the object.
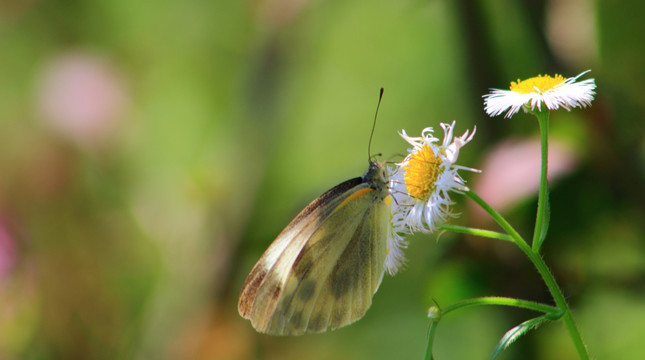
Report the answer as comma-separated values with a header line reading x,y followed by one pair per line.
x,y
321,272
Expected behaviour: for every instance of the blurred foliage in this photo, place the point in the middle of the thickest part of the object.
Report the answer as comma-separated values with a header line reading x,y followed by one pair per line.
x,y
139,184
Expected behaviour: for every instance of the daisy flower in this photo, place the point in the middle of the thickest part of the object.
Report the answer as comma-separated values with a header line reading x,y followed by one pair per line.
x,y
422,181
554,92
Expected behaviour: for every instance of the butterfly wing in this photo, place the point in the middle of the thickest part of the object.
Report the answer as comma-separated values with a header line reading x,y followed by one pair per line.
x,y
294,235
323,269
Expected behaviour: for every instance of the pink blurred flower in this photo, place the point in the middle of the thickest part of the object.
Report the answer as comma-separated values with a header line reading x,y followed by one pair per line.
x,y
81,97
511,171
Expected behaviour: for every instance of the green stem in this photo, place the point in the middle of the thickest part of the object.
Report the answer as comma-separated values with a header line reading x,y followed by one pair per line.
x,y
543,269
431,332
501,301
542,218
515,236
477,232
435,313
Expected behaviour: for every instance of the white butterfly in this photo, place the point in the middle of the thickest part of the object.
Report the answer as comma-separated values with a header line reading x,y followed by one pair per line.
x,y
322,270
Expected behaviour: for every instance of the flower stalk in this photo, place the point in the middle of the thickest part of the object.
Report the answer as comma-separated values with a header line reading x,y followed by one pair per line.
x,y
543,211
542,269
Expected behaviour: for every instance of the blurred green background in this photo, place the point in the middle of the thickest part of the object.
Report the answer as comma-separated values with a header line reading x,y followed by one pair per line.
x,y
150,152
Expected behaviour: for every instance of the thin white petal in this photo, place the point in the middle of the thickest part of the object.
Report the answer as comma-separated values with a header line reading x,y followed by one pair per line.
x,y
567,95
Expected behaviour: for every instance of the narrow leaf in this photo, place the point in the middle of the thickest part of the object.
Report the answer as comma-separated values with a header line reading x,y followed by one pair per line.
x,y
516,332
545,218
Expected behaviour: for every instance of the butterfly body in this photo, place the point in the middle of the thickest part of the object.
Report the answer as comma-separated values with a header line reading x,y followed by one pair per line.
x,y
322,270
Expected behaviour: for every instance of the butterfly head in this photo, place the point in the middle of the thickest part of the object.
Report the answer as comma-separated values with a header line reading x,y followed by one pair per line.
x,y
377,179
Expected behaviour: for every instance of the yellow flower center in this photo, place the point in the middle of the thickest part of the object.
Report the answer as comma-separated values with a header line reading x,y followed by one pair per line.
x,y
422,172
540,84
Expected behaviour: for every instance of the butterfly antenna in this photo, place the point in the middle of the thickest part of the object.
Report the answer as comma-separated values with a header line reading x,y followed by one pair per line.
x,y
369,145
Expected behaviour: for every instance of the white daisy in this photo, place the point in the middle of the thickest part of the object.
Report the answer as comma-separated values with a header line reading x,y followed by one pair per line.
x,y
422,181
554,92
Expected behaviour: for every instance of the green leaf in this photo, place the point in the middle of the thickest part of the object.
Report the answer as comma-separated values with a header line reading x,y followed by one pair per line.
x,y
543,222
516,332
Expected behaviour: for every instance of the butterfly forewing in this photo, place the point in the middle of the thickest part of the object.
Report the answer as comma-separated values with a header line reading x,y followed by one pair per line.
x,y
323,269
296,233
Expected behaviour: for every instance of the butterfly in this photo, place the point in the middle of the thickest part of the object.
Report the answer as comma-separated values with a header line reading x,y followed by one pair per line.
x,y
322,270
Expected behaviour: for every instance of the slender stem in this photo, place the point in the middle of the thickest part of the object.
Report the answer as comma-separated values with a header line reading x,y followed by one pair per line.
x,y
542,218
431,332
543,269
561,302
477,232
435,313
515,236
502,301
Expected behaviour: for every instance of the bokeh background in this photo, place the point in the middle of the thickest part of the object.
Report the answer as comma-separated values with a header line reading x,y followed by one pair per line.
x,y
150,152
